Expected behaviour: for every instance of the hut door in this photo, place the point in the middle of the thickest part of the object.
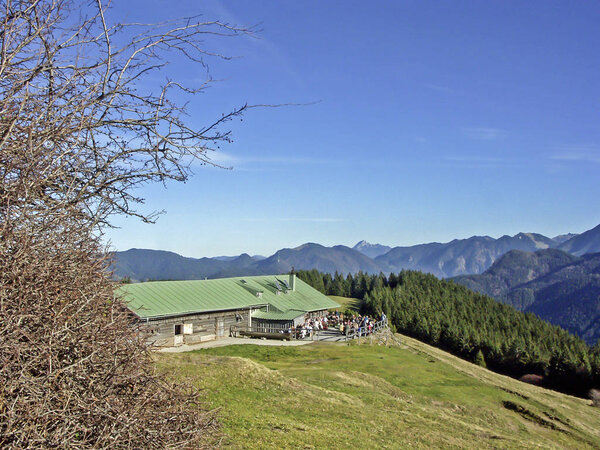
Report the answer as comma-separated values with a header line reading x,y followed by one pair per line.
x,y
220,327
178,335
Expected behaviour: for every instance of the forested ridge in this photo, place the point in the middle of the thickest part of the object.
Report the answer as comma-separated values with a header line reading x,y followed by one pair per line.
x,y
472,326
560,288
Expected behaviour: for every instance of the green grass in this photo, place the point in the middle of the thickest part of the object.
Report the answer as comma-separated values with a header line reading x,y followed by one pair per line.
x,y
346,303
340,395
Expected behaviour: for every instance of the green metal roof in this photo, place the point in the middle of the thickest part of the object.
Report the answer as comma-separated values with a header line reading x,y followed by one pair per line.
x,y
277,315
168,298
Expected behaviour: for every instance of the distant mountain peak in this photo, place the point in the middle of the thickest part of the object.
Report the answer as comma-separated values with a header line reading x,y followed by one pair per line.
x,y
540,241
371,250
364,243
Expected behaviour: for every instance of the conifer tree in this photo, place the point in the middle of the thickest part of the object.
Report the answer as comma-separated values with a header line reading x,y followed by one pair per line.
x,y
479,359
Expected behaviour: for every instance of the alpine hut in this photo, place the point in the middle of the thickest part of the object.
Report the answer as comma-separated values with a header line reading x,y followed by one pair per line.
x,y
189,312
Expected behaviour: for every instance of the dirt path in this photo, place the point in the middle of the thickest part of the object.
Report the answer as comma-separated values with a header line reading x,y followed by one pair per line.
x,y
232,341
321,336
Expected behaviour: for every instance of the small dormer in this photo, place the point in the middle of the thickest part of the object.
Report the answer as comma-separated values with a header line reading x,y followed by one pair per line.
x,y
278,289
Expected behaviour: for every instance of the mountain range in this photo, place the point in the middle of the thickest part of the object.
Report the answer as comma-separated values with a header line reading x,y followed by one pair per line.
x,y
559,287
143,264
458,257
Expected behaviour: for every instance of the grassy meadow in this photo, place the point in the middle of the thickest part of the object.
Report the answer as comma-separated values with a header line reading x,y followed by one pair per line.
x,y
330,395
346,303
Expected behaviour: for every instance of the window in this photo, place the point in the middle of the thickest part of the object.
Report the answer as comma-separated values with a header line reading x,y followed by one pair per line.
x,y
177,330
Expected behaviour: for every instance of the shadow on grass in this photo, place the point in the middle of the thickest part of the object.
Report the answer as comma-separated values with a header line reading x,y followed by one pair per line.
x,y
346,303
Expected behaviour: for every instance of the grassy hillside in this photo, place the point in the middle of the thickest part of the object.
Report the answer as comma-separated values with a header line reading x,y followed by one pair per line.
x,y
346,303
340,395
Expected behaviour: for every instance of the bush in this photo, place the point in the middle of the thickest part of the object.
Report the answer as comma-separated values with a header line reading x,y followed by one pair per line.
x,y
479,359
594,395
75,372
532,379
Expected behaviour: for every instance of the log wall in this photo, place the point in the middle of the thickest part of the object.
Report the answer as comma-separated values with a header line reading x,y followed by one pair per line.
x,y
204,327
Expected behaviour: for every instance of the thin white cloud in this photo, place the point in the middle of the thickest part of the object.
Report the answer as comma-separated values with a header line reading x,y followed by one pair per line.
x,y
483,133
229,160
222,158
578,153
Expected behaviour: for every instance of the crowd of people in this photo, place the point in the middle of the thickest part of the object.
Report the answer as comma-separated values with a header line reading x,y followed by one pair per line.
x,y
336,321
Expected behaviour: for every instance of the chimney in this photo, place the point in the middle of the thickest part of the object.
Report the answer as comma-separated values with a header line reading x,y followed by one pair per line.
x,y
292,280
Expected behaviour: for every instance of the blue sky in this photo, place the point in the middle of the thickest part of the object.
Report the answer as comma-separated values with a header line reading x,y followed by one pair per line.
x,y
434,121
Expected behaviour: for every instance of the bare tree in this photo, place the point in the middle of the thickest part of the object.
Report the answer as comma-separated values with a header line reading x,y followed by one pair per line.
x,y
77,134
71,94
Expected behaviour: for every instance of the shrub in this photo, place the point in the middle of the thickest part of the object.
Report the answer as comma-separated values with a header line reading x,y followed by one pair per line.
x,y
594,395
532,379
479,359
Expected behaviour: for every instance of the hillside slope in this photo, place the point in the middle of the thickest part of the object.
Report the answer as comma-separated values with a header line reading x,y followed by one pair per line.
x,y
144,264
315,256
460,256
588,242
560,288
514,268
369,396
568,297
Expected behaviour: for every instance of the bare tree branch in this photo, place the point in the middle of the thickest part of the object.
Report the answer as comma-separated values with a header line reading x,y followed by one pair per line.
x,y
72,96
78,135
